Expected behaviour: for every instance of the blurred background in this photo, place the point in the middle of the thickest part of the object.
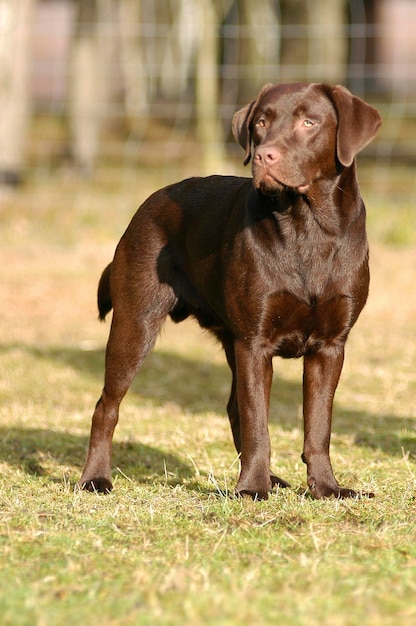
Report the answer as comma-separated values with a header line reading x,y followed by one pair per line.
x,y
104,101
91,86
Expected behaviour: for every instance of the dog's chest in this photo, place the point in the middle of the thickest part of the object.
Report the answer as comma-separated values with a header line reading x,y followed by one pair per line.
x,y
292,314
292,326
311,305
296,303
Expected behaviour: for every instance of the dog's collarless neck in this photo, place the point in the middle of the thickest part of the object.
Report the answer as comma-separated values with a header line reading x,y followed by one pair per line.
x,y
265,205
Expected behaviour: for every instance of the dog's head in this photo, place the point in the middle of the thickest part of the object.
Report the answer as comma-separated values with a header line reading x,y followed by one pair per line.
x,y
300,132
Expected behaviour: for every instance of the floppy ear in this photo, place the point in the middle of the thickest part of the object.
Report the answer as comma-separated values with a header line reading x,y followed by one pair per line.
x,y
241,125
358,122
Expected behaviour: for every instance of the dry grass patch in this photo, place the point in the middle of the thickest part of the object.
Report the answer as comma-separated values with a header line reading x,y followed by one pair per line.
x,y
171,545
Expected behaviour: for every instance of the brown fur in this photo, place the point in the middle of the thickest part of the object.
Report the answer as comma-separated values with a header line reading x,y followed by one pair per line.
x,y
274,266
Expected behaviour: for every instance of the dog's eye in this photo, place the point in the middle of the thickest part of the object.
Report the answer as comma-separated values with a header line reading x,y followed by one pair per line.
x,y
261,122
308,123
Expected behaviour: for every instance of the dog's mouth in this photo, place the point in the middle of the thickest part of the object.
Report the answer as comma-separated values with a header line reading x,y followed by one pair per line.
x,y
269,184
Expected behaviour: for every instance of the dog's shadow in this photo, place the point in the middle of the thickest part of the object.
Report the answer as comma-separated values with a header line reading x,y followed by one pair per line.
x,y
53,453
198,386
195,386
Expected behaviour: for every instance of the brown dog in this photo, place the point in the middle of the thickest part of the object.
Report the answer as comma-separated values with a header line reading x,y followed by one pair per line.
x,y
274,266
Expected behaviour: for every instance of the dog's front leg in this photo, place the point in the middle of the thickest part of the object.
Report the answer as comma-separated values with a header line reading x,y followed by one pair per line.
x,y
320,379
254,375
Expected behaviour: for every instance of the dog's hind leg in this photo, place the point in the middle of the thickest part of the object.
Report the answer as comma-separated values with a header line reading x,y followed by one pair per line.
x,y
134,329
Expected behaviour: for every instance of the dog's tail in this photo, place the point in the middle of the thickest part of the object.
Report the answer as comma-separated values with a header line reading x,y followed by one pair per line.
x,y
104,294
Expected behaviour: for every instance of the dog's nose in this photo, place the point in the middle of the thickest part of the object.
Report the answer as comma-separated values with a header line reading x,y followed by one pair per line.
x,y
267,154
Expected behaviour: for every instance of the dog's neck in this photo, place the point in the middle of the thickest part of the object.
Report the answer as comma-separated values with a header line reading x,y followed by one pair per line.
x,y
280,202
321,198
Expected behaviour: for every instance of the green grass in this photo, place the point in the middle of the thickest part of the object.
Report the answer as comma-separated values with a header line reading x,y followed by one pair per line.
x,y
171,545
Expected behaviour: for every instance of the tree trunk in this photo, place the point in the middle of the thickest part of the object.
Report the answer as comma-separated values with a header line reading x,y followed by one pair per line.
x,y
15,28
133,65
294,55
328,49
259,47
209,128
314,43
91,56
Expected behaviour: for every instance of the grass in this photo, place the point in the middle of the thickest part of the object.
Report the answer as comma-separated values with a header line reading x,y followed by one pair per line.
x,y
171,545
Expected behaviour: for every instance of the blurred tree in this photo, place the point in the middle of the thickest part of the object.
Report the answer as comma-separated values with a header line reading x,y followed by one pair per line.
x,y
133,64
328,52
259,46
209,127
89,79
192,57
314,42
15,23
184,54
181,43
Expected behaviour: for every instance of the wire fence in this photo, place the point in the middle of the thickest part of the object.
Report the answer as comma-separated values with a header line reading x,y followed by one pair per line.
x,y
123,82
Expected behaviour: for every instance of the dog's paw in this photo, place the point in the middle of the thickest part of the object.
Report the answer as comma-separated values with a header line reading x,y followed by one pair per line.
x,y
278,482
252,493
256,489
97,485
340,493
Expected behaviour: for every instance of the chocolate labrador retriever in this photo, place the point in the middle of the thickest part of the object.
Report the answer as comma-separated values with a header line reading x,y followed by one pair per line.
x,y
276,265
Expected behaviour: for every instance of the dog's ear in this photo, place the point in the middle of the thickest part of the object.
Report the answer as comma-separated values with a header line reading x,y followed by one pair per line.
x,y
241,129
358,123
242,123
